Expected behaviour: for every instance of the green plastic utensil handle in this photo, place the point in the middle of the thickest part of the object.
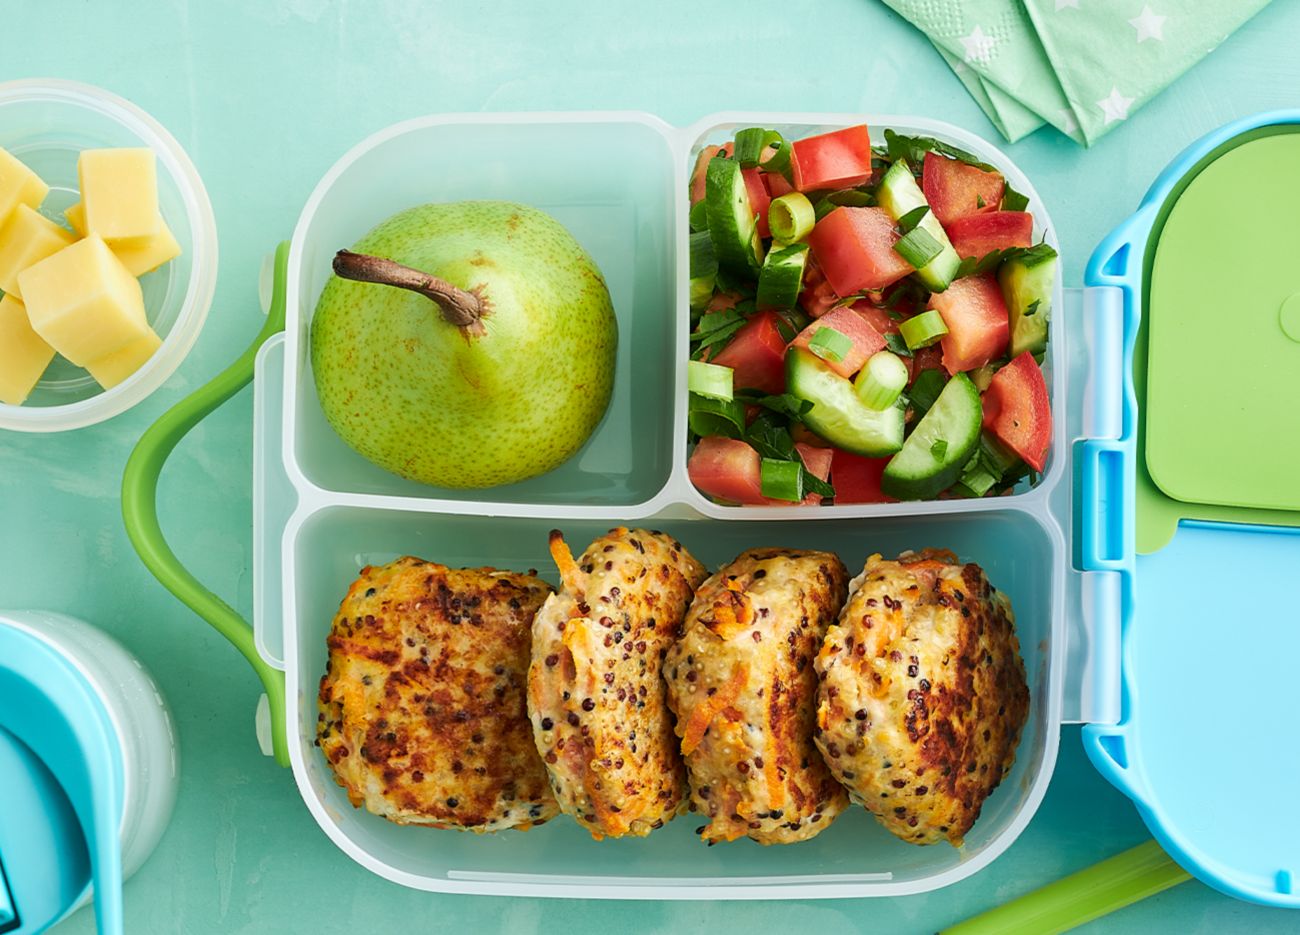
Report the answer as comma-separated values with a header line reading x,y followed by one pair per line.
x,y
1093,892
140,506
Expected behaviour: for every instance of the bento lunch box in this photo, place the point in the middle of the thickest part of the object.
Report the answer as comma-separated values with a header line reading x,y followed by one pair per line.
x,y
1063,550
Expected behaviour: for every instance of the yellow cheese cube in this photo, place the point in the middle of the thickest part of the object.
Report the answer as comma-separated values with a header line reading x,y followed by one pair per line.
x,y
76,215
23,355
27,238
139,257
84,302
19,185
117,366
119,188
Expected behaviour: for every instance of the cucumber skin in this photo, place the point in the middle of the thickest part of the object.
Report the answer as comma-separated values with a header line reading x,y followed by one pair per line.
x,y
735,242
802,367
905,482
1022,285
898,194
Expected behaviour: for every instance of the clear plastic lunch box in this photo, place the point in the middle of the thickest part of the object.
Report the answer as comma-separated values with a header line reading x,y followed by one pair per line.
x,y
1063,550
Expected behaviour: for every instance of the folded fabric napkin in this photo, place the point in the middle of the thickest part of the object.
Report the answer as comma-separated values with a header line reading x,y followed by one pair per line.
x,y
1082,66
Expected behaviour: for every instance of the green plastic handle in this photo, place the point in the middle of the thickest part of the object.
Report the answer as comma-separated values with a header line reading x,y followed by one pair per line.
x,y
140,506
1091,893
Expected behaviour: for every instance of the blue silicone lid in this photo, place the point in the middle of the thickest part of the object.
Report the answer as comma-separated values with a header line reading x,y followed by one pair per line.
x,y
62,795
1206,745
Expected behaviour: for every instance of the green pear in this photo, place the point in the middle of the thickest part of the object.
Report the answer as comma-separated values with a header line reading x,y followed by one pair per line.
x,y
465,345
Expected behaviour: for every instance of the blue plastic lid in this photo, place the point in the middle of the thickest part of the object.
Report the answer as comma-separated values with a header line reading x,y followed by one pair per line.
x,y
1206,745
62,796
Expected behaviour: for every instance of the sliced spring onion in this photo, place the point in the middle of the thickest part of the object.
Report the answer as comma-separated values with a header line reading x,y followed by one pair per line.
x,y
699,219
781,277
756,146
791,217
707,416
782,480
923,330
829,344
926,389
750,144
918,247
977,478
881,380
710,380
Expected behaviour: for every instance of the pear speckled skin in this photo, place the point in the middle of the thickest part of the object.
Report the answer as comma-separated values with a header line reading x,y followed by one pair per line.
x,y
417,396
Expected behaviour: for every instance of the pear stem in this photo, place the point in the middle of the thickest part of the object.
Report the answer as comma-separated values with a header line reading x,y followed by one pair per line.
x,y
460,307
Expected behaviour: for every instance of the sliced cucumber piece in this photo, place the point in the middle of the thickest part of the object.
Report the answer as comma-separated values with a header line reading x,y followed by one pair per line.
x,y
732,225
838,414
940,446
1027,288
781,279
704,269
898,194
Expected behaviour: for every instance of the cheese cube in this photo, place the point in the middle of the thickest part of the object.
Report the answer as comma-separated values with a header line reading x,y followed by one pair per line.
x,y
84,302
27,238
119,189
139,257
76,215
23,355
117,366
19,185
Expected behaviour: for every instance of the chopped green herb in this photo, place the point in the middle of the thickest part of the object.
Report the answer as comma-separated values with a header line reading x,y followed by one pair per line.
x,y
1012,200
914,148
979,200
1032,310
896,344
926,389
706,416
939,448
907,223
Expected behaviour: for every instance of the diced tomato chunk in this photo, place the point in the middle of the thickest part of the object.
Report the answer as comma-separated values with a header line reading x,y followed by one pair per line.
x,y
976,316
1018,412
855,249
776,184
876,317
980,234
726,468
927,358
857,479
817,461
866,339
757,355
839,159
759,199
702,166
955,190
817,297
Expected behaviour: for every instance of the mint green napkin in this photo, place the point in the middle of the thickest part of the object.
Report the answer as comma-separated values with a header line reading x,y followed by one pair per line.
x,y
1082,66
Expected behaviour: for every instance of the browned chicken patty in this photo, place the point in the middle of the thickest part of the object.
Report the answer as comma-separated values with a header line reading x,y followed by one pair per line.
x,y
595,694
422,707
923,694
742,684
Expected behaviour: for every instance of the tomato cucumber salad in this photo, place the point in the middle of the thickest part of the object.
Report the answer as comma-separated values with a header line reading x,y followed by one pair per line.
x,y
868,323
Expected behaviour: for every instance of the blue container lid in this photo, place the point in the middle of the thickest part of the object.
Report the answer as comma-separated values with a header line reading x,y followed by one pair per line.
x,y
1206,743
62,796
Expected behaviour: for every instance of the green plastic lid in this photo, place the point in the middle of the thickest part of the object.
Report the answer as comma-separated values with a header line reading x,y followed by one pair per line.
x,y
1222,397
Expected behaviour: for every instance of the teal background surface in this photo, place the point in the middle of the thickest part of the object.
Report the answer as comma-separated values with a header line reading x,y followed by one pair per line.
x,y
265,95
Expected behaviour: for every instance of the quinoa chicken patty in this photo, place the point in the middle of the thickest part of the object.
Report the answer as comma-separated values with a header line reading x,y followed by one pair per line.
x,y
742,684
422,705
923,696
595,694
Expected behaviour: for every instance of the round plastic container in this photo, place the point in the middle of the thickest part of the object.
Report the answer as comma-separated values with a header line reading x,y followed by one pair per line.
x,y
46,123
101,767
